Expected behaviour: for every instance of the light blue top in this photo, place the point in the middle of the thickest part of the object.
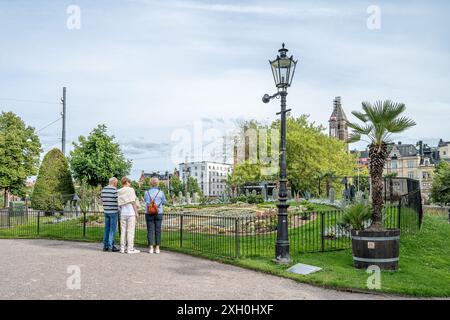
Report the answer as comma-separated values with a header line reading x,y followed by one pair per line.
x,y
160,199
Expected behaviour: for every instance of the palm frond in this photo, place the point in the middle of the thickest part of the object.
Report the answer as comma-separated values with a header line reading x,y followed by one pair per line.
x,y
354,137
400,124
359,128
369,111
361,116
392,110
379,121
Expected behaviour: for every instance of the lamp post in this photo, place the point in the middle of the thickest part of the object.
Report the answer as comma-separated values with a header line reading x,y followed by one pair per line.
x,y
283,68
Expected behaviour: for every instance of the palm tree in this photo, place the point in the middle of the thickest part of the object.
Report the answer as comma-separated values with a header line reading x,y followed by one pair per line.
x,y
379,122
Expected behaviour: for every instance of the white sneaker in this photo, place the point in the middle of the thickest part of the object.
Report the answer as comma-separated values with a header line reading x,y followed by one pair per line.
x,y
150,250
122,250
133,251
157,251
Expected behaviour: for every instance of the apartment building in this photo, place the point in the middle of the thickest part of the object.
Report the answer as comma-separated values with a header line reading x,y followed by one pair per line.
x,y
210,176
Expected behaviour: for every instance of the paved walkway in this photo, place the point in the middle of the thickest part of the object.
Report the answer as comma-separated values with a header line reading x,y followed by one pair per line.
x,y
37,269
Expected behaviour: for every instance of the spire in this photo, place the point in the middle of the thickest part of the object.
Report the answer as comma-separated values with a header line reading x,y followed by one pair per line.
x,y
338,113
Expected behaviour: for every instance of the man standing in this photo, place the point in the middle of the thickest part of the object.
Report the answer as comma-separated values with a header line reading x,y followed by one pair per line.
x,y
111,210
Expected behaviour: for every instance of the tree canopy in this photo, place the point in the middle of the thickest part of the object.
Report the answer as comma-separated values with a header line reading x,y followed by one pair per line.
x,y
309,152
19,153
193,187
97,158
54,185
440,188
176,185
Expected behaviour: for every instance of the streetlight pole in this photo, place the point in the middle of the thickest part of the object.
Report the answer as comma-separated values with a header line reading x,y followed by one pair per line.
x,y
282,245
283,68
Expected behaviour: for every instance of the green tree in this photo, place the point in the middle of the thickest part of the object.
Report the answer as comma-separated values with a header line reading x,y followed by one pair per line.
x,y
440,189
54,185
193,187
19,154
97,158
310,154
176,185
379,122
246,173
310,150
163,187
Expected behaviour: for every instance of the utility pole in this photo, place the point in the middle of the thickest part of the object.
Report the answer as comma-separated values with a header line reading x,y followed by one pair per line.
x,y
63,137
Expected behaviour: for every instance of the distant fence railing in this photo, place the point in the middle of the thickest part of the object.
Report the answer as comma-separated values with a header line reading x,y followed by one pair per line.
x,y
226,236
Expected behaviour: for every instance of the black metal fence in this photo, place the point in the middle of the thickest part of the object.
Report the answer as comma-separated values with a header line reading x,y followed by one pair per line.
x,y
227,236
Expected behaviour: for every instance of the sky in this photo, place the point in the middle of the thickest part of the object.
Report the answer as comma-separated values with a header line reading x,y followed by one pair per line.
x,y
156,72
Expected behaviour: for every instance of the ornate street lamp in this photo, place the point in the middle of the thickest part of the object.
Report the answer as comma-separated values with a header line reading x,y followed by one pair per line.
x,y
283,68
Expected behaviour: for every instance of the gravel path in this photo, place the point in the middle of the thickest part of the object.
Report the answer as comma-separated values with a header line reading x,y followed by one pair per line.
x,y
38,269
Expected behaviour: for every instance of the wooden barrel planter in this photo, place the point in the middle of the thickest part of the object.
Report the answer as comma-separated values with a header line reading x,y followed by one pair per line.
x,y
380,248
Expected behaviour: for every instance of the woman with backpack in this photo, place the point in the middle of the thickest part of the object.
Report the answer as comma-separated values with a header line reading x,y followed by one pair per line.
x,y
154,199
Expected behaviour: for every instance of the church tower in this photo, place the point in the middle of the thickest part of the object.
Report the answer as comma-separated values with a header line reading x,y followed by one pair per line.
x,y
338,121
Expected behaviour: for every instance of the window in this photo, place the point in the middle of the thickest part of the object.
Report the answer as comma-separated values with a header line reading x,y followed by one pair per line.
x,y
410,163
411,174
394,164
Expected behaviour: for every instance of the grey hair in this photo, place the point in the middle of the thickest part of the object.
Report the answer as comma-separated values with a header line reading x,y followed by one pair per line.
x,y
112,180
154,181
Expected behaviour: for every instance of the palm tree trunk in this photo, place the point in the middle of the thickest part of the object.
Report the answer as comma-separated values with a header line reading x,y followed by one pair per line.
x,y
377,155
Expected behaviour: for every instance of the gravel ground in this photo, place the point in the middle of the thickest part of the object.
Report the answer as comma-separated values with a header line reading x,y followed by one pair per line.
x,y
38,269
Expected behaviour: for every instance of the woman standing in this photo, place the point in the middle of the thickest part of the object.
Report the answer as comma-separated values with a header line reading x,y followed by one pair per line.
x,y
154,199
128,204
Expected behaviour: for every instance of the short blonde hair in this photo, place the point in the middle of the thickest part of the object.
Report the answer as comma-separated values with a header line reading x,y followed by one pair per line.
x,y
154,181
125,180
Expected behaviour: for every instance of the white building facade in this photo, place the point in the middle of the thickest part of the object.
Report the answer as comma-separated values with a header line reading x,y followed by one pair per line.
x,y
210,176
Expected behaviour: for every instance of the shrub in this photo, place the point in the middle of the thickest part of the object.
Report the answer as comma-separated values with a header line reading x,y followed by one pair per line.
x,y
251,199
54,185
356,216
255,198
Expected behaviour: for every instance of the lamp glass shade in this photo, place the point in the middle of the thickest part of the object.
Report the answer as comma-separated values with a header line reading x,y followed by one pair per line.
x,y
283,69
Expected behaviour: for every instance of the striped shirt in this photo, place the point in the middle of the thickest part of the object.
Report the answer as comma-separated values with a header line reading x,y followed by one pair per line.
x,y
109,200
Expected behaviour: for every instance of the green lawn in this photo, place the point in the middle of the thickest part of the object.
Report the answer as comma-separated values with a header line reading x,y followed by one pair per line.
x,y
424,268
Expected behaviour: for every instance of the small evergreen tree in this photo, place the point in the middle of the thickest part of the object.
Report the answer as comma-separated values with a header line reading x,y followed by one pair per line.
x,y
54,185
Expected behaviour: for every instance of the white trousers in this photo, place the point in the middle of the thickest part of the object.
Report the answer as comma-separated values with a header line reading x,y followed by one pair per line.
x,y
127,227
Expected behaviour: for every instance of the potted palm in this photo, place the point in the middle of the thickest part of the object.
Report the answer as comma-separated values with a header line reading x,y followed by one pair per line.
x,y
376,245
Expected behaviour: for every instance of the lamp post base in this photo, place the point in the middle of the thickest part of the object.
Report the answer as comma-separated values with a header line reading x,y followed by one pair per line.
x,y
282,260
282,255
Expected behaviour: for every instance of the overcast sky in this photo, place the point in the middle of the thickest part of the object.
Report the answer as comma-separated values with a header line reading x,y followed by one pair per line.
x,y
150,69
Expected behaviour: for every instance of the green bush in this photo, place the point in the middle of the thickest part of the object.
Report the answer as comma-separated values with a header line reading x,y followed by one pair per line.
x,y
356,216
54,185
253,199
